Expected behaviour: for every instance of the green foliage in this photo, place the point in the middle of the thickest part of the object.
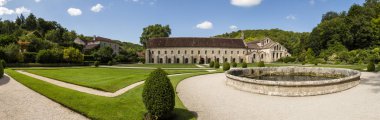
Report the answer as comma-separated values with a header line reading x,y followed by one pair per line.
x,y
29,57
1,70
31,22
261,64
244,65
217,65
211,64
371,66
96,63
226,66
288,59
234,64
154,31
11,53
158,95
72,55
304,62
2,62
49,56
104,54
110,63
309,55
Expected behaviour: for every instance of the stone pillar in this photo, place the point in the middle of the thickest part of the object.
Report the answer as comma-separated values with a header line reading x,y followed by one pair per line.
x,y
147,56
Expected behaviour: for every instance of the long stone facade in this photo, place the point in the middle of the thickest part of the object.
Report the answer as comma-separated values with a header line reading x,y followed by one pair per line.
x,y
205,50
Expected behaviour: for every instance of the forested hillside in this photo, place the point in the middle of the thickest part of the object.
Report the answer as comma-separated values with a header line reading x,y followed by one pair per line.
x,y
37,37
351,36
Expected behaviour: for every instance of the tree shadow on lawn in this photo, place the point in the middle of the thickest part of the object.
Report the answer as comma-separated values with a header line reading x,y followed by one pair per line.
x,y
183,114
372,81
4,80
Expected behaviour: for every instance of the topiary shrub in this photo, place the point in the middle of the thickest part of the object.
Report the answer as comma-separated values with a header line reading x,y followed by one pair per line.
x,y
371,66
226,66
217,65
261,64
244,65
3,63
1,70
110,63
212,64
158,95
234,64
96,63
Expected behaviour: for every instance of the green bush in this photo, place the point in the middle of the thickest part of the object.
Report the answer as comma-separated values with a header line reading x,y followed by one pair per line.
x,y
212,64
315,62
234,64
110,63
29,57
288,59
217,65
158,95
371,66
1,70
96,63
244,65
49,56
304,62
3,63
261,64
226,66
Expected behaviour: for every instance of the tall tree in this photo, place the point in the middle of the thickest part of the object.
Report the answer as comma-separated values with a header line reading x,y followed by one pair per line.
x,y
154,31
31,22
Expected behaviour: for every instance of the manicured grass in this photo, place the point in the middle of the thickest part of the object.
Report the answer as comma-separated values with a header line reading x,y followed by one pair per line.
x,y
106,79
128,106
160,65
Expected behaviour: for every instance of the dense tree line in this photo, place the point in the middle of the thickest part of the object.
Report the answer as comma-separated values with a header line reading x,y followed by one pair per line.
x,y
31,39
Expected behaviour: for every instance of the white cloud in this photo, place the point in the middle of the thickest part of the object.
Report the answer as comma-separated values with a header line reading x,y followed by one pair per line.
x,y
6,11
233,27
22,10
312,2
245,3
3,2
97,8
37,1
205,25
291,17
74,11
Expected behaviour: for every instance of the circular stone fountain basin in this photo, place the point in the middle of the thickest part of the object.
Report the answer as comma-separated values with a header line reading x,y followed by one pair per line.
x,y
292,81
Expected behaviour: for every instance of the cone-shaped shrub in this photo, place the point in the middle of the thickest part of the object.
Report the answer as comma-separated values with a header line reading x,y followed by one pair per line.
x,y
226,66
371,66
158,95
244,65
234,64
96,63
1,70
261,64
212,64
217,65
3,63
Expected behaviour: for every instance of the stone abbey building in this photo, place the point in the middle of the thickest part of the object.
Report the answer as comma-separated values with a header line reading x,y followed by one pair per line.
x,y
191,50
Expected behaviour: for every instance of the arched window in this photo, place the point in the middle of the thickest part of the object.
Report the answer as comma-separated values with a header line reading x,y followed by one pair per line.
x,y
166,52
159,52
179,52
192,52
185,51
199,52
172,52
205,51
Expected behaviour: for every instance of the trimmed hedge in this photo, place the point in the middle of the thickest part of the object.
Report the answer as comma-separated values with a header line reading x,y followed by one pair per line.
x,y
217,65
244,65
158,95
212,64
234,64
261,64
96,63
226,66
371,67
1,70
3,63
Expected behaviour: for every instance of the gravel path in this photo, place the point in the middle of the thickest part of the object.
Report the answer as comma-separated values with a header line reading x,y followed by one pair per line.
x,y
86,89
211,99
18,102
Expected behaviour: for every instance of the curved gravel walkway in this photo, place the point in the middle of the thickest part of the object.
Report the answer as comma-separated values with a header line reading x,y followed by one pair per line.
x,y
211,99
86,89
18,102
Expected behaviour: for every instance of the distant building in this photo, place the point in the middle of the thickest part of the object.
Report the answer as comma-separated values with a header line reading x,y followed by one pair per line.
x,y
188,50
98,42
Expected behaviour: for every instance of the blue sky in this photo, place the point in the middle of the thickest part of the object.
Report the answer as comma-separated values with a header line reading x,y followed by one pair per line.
x,y
125,19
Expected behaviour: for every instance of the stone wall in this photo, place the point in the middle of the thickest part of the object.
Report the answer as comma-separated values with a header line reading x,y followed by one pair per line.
x,y
349,78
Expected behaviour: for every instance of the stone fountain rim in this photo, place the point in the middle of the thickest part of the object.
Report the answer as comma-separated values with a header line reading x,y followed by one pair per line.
x,y
293,83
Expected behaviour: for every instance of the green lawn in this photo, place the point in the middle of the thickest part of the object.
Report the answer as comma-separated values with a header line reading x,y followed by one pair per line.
x,y
128,106
106,79
160,65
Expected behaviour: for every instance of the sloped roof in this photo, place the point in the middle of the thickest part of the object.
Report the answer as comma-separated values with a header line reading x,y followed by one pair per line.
x,y
255,44
104,39
195,42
